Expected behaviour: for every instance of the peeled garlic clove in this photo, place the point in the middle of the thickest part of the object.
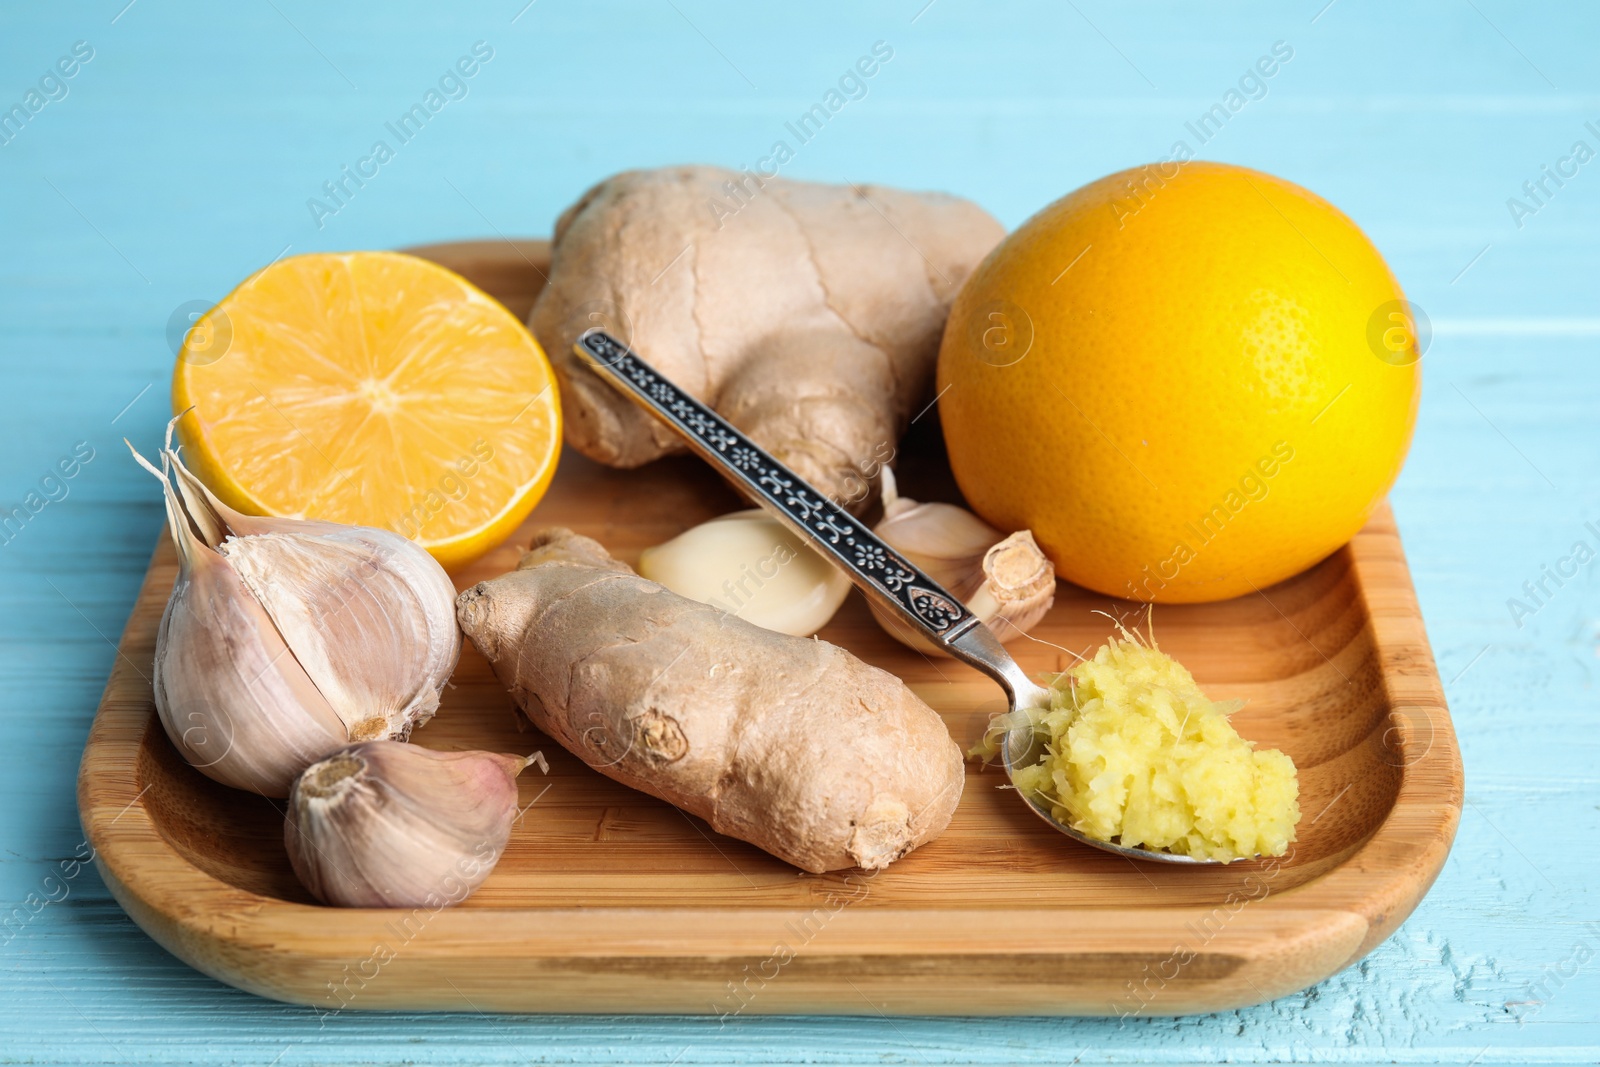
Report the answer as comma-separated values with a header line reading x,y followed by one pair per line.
x,y
1006,581
750,565
389,825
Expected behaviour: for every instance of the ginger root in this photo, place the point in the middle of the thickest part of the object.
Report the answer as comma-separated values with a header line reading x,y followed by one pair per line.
x,y
788,743
807,315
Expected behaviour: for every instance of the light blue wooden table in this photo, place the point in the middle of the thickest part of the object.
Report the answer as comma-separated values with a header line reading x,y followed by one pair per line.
x,y
182,152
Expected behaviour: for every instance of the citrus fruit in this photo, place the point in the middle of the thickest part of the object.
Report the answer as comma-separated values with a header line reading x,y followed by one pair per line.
x,y
1190,381
371,388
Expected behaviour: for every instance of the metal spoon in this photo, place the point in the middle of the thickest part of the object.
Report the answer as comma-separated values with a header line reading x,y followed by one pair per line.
x,y
879,571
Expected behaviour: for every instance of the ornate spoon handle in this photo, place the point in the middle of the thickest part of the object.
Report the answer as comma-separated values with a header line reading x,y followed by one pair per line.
x,y
877,569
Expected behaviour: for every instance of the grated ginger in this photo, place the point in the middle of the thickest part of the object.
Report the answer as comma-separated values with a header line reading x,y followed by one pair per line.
x,y
1135,753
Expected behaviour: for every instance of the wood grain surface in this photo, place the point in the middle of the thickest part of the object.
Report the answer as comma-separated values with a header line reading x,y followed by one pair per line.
x,y
608,900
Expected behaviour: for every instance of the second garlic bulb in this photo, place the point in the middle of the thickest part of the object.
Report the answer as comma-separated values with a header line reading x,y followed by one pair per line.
x,y
750,565
387,825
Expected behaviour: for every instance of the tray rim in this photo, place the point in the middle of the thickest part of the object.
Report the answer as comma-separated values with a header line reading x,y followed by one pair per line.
x,y
930,961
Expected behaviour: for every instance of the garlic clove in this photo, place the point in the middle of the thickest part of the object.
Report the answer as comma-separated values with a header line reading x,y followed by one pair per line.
x,y
750,565
371,623
233,699
1007,581
386,825
946,541
1018,587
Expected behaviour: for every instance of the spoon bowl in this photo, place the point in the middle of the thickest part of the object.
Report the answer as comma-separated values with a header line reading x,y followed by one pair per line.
x,y
1022,747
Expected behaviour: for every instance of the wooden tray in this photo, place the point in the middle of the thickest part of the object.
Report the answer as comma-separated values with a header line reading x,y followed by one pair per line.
x,y
610,901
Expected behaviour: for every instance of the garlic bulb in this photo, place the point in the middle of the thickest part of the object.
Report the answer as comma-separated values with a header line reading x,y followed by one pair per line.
x,y
1005,580
286,639
386,825
750,565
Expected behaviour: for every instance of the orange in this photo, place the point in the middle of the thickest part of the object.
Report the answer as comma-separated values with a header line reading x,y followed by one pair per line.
x,y
1190,381
371,388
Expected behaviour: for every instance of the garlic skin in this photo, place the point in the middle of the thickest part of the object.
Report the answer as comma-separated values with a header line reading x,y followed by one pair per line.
x,y
1006,581
750,565
286,639
388,825
357,618
233,699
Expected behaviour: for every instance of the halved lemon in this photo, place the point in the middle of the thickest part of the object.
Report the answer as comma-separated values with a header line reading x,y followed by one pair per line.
x,y
372,388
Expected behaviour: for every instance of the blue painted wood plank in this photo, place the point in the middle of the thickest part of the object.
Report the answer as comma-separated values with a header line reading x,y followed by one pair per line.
x,y
182,156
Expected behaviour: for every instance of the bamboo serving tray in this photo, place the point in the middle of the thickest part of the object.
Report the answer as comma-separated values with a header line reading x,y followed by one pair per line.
x,y
610,901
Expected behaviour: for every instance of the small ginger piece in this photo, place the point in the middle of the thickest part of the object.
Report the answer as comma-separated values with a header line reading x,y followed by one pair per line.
x,y
807,315
791,744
